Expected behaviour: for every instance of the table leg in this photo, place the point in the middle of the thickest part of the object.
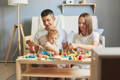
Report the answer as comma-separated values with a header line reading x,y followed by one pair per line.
x,y
18,71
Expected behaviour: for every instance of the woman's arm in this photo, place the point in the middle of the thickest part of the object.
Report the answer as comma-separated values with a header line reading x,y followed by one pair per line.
x,y
85,46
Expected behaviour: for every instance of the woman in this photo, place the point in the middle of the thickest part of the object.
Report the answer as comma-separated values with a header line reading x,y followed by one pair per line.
x,y
86,37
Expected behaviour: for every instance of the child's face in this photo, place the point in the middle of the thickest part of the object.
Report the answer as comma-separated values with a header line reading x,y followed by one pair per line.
x,y
48,22
53,39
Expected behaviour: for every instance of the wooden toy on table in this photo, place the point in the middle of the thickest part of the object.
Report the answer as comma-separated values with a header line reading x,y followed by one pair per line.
x,y
74,54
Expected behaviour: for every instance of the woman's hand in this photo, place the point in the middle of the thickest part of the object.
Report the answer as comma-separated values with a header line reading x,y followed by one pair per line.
x,y
72,46
67,46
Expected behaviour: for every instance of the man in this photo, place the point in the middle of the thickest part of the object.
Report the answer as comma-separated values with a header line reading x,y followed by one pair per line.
x,y
48,19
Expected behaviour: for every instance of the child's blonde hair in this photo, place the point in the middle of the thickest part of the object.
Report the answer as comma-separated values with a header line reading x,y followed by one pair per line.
x,y
52,32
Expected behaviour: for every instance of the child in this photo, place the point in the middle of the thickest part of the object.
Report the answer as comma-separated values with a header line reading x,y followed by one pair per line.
x,y
52,41
49,40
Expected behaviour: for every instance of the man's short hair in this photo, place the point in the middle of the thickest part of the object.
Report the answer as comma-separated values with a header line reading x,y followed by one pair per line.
x,y
47,12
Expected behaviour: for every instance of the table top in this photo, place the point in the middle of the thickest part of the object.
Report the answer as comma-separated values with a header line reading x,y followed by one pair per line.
x,y
107,51
38,61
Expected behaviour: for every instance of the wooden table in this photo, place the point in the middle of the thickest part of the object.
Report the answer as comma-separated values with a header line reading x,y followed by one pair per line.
x,y
107,61
51,72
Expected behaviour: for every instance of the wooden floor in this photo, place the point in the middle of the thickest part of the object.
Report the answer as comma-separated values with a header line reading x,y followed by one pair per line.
x,y
7,71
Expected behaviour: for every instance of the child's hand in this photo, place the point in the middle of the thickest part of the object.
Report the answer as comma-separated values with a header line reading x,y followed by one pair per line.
x,y
36,48
33,48
29,43
70,46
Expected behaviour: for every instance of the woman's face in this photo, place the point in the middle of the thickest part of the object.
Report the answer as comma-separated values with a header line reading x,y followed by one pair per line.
x,y
82,25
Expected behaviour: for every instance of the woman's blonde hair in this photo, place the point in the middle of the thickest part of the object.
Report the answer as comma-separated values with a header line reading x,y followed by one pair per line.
x,y
88,21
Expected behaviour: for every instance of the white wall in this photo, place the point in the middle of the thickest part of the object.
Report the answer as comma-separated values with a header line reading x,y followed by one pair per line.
x,y
108,13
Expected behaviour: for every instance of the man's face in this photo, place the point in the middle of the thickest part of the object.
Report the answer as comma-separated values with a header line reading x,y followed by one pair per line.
x,y
48,22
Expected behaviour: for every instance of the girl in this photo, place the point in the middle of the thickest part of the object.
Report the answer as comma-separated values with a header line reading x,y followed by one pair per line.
x,y
50,41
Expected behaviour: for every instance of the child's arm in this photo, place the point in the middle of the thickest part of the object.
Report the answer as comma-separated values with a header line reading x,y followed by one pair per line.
x,y
52,48
33,47
32,42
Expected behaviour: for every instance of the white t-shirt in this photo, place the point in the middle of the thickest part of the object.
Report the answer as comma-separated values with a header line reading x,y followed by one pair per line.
x,y
44,42
86,39
40,37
